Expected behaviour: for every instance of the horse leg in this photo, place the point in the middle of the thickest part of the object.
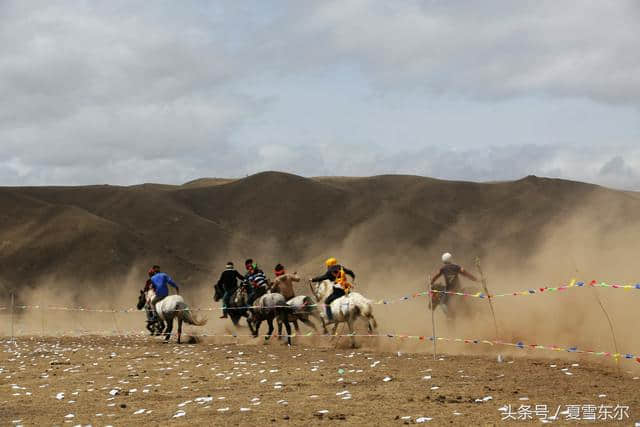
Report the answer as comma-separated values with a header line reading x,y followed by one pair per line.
x,y
251,327
257,327
179,329
371,323
316,315
335,328
167,332
353,338
270,323
154,328
295,324
288,327
234,318
279,328
309,323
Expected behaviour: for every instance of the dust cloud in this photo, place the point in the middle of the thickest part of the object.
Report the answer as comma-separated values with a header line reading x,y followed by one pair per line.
x,y
589,242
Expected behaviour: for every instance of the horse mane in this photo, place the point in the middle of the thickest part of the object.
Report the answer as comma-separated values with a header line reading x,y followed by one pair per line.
x,y
327,288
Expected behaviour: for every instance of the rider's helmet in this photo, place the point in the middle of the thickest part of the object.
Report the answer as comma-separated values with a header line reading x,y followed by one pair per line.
x,y
279,270
447,257
330,262
229,265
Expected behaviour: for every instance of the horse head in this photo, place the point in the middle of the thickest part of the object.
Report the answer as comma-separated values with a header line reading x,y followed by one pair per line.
x,y
142,300
241,295
150,295
321,290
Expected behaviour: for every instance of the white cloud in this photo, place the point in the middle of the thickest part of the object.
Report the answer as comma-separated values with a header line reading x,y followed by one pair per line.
x,y
490,50
121,92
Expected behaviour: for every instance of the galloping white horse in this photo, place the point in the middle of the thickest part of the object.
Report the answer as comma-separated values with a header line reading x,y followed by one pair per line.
x,y
344,309
174,306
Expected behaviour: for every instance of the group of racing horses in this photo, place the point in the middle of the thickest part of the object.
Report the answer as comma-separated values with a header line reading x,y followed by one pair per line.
x,y
327,305
270,306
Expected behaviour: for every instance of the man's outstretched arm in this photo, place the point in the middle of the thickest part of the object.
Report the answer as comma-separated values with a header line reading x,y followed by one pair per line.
x,y
436,277
468,275
174,284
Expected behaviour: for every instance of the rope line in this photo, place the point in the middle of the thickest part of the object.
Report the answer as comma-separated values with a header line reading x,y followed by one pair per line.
x,y
546,289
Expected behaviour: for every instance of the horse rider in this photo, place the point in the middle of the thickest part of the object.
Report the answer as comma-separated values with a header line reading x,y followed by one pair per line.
x,y
159,282
228,282
451,273
336,273
256,280
283,283
151,317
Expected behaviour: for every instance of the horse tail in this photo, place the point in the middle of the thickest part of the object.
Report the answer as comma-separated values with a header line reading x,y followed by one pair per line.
x,y
186,315
366,308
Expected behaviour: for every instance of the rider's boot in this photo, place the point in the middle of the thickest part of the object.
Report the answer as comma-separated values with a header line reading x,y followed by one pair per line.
x,y
329,314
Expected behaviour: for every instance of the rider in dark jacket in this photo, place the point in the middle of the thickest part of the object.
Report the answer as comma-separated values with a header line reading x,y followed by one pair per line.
x,y
228,282
451,273
333,272
256,281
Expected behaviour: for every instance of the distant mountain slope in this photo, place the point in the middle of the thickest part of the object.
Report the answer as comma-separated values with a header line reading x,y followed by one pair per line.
x,y
98,233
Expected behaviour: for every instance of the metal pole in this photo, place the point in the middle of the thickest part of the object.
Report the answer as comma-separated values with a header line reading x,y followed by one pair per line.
x,y
486,291
12,315
433,318
42,318
613,334
115,324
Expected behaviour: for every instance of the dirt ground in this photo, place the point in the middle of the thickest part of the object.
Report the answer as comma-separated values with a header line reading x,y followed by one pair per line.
x,y
126,380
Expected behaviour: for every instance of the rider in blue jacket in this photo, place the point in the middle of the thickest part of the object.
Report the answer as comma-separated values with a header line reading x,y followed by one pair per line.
x,y
159,282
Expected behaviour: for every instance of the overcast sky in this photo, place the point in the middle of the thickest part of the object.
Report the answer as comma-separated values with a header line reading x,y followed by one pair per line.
x,y
129,92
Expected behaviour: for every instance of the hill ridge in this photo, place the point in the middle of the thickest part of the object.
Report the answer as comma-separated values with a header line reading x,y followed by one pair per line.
x,y
277,217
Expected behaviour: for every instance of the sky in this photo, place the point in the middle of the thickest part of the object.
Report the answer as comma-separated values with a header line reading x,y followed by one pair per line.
x,y
126,92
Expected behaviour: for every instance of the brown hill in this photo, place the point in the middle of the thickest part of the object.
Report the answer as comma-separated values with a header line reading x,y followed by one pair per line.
x,y
103,235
